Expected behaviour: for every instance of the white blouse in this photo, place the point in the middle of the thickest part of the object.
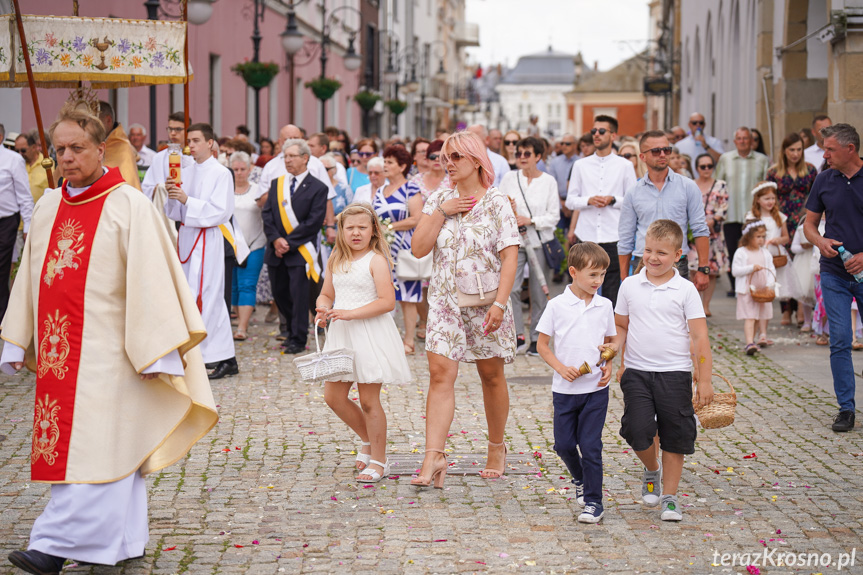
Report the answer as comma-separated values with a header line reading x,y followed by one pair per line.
x,y
248,216
542,199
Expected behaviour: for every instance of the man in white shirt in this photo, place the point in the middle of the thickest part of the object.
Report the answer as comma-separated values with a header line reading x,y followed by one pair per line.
x,y
319,144
697,143
16,203
275,169
498,162
203,202
814,154
137,136
596,189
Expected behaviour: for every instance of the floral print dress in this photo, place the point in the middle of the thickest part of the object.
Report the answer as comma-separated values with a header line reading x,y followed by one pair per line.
x,y
395,207
715,208
792,193
468,243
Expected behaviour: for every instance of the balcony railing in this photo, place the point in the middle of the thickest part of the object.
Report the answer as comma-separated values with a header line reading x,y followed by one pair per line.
x,y
466,34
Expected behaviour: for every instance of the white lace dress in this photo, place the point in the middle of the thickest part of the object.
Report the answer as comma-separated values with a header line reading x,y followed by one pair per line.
x,y
379,353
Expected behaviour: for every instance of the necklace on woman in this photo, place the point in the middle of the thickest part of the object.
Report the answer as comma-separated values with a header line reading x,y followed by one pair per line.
x,y
245,189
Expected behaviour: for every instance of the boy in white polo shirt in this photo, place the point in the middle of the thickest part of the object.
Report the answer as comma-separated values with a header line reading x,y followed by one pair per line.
x,y
581,323
657,314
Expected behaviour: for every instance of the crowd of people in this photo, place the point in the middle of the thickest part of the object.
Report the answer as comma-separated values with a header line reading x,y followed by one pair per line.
x,y
465,232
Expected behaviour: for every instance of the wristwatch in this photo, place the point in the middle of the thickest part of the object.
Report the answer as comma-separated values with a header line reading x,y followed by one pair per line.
x,y
500,305
705,270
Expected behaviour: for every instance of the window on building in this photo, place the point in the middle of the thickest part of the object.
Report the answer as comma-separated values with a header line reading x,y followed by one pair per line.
x,y
215,96
521,110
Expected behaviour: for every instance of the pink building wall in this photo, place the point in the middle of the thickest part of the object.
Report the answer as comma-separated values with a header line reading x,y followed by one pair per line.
x,y
227,34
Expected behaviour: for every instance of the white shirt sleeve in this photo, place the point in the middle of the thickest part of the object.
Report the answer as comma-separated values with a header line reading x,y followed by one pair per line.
x,y
622,303
692,306
21,184
546,321
11,354
612,328
574,201
170,364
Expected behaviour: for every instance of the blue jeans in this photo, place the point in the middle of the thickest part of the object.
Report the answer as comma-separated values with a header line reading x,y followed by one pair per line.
x,y
837,294
578,423
245,286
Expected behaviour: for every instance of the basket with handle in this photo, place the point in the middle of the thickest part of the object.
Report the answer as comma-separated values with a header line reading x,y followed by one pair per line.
x,y
764,294
719,412
325,365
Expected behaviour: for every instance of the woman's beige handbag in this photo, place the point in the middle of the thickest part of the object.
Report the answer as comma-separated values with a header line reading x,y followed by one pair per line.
x,y
471,290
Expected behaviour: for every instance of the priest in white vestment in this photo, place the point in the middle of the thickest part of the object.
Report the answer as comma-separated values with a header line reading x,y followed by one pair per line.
x,y
201,203
101,312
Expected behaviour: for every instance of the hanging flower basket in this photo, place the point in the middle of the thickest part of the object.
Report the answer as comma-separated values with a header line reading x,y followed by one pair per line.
x,y
366,99
323,88
257,74
396,106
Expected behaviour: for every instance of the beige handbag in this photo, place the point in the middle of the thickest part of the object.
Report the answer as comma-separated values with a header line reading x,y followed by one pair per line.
x,y
470,291
411,268
475,288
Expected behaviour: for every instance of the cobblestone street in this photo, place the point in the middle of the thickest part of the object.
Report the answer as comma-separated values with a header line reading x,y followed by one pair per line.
x,y
271,489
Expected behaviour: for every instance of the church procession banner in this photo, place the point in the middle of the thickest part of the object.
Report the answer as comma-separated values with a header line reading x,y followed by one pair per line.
x,y
108,52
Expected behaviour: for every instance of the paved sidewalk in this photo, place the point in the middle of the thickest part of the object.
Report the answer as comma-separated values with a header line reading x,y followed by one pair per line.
x,y
271,489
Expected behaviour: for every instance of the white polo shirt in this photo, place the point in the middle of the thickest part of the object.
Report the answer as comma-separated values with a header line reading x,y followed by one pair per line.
x,y
658,336
578,329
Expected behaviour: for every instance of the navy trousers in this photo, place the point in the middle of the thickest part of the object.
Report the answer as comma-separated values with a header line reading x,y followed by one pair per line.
x,y
578,423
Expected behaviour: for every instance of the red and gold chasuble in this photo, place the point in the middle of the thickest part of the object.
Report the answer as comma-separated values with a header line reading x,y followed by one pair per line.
x,y
61,322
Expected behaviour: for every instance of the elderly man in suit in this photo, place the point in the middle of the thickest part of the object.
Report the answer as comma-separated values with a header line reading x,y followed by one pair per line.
x,y
293,216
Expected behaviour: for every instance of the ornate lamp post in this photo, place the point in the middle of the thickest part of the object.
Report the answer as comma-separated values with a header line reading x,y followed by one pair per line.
x,y
199,12
293,42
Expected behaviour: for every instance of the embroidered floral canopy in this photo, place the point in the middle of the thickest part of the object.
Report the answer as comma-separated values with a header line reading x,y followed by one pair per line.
x,y
107,52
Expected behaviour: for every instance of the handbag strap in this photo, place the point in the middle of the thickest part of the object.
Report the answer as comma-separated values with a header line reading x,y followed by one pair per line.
x,y
530,213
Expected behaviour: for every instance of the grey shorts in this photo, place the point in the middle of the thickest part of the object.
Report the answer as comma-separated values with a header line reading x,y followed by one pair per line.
x,y
658,401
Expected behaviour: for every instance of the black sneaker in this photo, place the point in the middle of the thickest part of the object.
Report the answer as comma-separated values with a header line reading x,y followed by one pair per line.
x,y
532,349
579,492
844,421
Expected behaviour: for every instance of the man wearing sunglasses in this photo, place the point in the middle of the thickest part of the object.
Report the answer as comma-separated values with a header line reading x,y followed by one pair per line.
x,y
28,146
662,194
697,143
596,189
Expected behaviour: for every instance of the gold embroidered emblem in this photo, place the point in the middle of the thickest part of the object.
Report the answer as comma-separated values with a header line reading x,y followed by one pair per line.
x,y
70,242
46,430
54,347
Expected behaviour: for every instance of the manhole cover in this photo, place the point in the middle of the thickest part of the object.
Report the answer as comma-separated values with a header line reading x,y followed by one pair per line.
x,y
464,463
531,380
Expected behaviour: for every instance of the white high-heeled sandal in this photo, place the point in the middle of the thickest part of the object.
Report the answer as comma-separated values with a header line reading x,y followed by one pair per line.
x,y
375,476
364,458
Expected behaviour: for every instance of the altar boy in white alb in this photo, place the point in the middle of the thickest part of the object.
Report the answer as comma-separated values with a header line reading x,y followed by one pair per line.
x,y
202,202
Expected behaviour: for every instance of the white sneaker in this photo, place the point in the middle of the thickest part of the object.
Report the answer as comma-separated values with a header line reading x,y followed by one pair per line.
x,y
671,509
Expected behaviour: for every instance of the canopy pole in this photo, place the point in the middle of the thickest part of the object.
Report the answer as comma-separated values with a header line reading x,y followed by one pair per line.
x,y
186,58
46,159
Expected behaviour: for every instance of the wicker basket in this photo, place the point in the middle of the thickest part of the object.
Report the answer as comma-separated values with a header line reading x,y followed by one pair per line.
x,y
719,412
764,294
779,261
325,365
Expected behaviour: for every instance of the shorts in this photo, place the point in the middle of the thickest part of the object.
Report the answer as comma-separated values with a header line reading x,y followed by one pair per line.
x,y
658,401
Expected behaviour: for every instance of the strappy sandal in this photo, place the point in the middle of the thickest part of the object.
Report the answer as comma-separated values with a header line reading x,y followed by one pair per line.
x,y
373,473
822,339
364,458
240,336
421,333
489,469
410,349
437,475
763,341
751,349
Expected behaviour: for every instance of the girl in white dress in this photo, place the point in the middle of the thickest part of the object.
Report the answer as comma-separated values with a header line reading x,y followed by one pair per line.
x,y
357,298
765,207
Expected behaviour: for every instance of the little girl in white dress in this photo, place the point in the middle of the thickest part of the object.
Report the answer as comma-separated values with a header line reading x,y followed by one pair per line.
x,y
357,298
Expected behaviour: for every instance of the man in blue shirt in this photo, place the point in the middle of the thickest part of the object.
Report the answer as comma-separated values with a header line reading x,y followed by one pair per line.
x,y
662,194
838,194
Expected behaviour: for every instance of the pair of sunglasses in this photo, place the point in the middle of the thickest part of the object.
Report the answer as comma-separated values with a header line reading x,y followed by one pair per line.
x,y
627,155
433,156
567,143
705,167
365,154
602,131
525,154
659,151
697,123
510,142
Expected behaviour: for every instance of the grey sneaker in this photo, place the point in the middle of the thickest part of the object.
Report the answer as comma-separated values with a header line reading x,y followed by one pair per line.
x,y
592,513
651,487
671,509
579,492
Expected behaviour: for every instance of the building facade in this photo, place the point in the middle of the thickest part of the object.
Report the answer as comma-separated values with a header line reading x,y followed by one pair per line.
x,y
770,64
220,97
617,92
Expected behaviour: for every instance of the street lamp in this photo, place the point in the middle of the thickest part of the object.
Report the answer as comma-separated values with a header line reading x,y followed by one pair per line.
x,y
198,12
293,42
